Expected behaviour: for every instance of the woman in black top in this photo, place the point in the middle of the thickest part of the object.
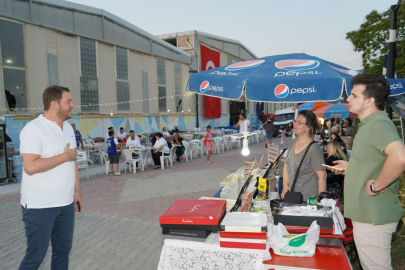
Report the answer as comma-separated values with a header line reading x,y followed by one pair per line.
x,y
336,138
178,141
333,152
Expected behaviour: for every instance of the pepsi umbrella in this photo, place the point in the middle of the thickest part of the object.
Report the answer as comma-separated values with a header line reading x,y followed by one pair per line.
x,y
339,110
282,78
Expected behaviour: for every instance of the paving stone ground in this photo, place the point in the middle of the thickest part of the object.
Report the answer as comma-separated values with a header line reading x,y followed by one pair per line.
x,y
119,225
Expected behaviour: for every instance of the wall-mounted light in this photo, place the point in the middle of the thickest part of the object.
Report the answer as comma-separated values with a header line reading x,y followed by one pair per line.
x,y
111,113
9,61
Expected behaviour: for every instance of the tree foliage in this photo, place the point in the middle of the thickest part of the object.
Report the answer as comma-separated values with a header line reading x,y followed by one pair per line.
x,y
376,29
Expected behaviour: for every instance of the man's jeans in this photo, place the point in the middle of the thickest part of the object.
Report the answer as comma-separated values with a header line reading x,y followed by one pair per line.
x,y
41,225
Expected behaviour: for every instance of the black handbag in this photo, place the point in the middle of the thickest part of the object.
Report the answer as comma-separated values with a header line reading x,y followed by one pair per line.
x,y
296,197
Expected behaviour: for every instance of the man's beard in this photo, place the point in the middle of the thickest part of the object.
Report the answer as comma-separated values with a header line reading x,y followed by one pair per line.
x,y
63,114
362,109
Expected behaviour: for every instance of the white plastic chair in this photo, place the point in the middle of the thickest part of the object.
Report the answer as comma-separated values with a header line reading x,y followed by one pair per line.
x,y
102,147
106,160
81,160
166,158
236,141
217,145
204,147
196,145
128,159
186,149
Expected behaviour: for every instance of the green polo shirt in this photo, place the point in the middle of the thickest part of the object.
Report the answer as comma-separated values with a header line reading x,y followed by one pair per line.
x,y
375,132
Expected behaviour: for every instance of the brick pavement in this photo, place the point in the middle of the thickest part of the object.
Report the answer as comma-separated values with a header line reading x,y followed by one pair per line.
x,y
119,228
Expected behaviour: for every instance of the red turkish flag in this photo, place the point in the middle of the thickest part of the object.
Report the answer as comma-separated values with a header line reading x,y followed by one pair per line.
x,y
210,59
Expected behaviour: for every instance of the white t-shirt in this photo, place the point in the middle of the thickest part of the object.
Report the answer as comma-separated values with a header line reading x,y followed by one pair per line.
x,y
133,143
121,135
160,142
165,133
53,188
244,126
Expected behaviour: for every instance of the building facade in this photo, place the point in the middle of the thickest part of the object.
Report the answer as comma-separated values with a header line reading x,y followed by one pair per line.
x,y
118,74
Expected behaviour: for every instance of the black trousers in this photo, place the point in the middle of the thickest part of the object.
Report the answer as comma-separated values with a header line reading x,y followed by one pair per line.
x,y
156,157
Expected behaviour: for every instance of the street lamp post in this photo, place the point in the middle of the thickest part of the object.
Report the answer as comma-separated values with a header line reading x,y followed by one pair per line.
x,y
391,47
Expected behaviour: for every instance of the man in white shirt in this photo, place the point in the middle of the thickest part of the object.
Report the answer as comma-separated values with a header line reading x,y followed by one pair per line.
x,y
122,134
106,136
50,188
243,124
133,141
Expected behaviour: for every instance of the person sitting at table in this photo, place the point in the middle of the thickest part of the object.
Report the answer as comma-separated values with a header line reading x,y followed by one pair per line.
x,y
133,142
175,130
122,135
78,135
108,136
333,152
159,147
336,138
179,150
165,132
312,175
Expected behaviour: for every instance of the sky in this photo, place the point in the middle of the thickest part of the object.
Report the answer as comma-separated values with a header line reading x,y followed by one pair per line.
x,y
265,27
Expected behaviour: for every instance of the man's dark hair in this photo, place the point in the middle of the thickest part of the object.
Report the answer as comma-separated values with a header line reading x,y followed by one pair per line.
x,y
121,128
53,93
110,133
159,135
110,128
243,115
377,87
131,131
311,120
208,126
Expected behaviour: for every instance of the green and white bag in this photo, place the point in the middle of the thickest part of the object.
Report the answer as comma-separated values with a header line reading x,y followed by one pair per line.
x,y
300,245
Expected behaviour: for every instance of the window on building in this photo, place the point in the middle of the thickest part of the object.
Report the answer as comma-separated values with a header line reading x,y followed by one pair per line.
x,y
121,59
123,96
145,91
13,64
15,88
53,69
177,86
88,79
121,56
89,94
12,43
161,73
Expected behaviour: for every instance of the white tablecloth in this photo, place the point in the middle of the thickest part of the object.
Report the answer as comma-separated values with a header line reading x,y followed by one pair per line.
x,y
190,255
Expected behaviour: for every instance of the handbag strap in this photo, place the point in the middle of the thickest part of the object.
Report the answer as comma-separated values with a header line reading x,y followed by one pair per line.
x,y
299,166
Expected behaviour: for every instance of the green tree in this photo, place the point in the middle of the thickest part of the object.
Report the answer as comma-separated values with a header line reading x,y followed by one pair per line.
x,y
376,29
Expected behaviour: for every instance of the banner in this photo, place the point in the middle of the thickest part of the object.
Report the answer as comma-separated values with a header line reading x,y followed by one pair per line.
x,y
210,59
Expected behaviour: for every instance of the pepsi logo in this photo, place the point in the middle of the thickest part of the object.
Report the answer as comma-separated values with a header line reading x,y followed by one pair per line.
x,y
244,65
296,64
346,71
204,86
281,91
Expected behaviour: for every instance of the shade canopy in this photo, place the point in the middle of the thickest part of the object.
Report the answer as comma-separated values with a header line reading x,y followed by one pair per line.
x,y
339,110
284,78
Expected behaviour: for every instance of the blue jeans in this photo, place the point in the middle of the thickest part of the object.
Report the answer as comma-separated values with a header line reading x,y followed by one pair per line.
x,y
41,225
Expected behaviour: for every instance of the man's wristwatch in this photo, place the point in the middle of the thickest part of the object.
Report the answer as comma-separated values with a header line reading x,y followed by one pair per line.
x,y
373,189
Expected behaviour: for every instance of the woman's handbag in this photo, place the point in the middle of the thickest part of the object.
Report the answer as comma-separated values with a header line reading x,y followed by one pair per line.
x,y
296,197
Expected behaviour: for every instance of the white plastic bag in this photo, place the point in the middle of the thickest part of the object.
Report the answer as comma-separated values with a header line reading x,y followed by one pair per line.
x,y
300,245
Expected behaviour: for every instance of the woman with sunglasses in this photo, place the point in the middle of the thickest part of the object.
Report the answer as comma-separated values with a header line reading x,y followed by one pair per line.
x,y
312,175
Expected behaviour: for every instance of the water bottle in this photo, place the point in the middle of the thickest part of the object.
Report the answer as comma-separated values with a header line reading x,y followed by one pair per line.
x,y
277,189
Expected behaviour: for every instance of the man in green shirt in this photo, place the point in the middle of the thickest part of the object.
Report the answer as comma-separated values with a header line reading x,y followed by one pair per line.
x,y
371,181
